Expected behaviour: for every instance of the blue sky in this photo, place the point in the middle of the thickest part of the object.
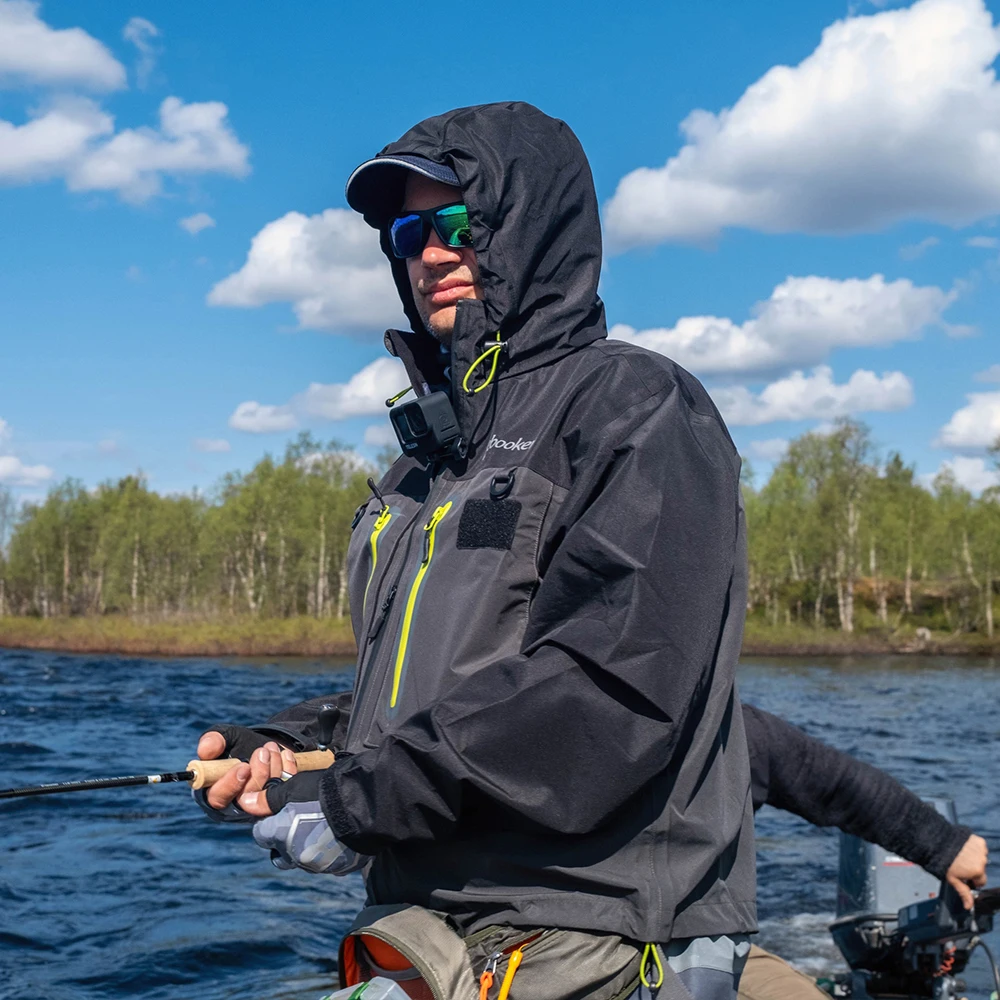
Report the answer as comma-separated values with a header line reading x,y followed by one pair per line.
x,y
812,240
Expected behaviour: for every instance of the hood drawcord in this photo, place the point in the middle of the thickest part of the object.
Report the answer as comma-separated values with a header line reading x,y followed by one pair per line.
x,y
495,350
392,400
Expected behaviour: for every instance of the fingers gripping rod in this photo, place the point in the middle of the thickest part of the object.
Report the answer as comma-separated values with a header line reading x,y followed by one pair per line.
x,y
200,773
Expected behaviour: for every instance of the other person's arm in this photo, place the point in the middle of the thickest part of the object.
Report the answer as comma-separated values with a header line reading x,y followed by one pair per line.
x,y
793,771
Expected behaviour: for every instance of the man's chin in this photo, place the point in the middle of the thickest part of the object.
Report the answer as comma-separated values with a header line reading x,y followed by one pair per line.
x,y
441,323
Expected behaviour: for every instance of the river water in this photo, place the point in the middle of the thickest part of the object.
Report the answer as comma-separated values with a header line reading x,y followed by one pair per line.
x,y
131,893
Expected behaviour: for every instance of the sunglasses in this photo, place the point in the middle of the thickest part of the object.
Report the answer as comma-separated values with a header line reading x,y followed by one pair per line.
x,y
408,232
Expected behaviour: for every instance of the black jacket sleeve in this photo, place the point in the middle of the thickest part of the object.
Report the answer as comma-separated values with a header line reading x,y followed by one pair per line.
x,y
624,628
790,770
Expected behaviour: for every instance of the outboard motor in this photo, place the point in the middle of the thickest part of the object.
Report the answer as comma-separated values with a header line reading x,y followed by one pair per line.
x,y
902,933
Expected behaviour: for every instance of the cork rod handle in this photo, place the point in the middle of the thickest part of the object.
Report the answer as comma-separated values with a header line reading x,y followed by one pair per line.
x,y
208,772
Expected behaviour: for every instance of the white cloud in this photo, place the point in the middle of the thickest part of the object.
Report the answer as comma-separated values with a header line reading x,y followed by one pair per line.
x,y
975,425
33,52
991,374
141,33
48,144
191,139
893,116
380,435
328,266
771,450
14,472
364,394
971,474
800,324
262,418
194,224
914,250
983,242
211,445
814,397
66,139
4,430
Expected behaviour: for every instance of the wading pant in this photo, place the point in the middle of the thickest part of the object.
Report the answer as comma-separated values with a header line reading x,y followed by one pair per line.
x,y
767,977
708,967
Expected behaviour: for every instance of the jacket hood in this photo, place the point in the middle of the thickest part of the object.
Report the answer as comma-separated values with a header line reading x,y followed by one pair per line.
x,y
536,231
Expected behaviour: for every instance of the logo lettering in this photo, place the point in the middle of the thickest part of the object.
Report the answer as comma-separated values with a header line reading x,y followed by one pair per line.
x,y
519,445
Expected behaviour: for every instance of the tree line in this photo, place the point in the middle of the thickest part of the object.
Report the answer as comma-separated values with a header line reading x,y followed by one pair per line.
x,y
838,538
271,542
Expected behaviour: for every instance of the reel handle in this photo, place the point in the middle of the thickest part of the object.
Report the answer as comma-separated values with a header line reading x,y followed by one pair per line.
x,y
208,772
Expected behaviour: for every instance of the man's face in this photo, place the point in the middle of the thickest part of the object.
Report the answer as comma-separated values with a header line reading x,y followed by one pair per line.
x,y
440,275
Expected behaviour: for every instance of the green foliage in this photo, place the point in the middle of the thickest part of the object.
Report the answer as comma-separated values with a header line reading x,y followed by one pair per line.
x,y
271,542
838,538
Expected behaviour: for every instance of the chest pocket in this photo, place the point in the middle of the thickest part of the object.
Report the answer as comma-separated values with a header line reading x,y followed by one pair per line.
x,y
463,592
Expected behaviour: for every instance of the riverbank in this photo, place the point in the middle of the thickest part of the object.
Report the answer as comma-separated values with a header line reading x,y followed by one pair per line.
x,y
305,636
802,640
300,636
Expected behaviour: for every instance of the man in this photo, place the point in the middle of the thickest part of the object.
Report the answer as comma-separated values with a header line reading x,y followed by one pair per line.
x,y
792,771
544,731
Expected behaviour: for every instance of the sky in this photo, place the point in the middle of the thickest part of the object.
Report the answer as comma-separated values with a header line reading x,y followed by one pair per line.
x,y
799,205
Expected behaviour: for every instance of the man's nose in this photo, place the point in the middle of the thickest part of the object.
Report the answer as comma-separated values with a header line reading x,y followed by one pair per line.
x,y
436,252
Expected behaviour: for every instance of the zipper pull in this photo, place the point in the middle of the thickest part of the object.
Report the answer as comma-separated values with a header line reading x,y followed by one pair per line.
x,y
376,492
512,966
429,530
486,979
383,613
380,521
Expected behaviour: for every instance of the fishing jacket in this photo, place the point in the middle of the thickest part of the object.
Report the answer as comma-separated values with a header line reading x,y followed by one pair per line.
x,y
545,730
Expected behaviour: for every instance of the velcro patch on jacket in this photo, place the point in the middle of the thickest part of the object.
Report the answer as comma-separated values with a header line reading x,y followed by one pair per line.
x,y
488,524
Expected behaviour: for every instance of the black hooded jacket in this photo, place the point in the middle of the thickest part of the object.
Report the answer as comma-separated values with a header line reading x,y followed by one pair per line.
x,y
545,730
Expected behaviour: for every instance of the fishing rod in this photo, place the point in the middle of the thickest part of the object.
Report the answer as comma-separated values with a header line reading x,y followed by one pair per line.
x,y
200,774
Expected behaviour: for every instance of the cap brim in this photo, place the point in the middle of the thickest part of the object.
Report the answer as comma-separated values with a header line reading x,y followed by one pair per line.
x,y
375,189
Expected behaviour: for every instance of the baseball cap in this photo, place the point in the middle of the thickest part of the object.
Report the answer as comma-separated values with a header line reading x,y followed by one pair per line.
x,y
375,189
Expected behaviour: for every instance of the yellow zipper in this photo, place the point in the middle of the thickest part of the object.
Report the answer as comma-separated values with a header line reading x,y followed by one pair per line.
x,y
384,517
404,635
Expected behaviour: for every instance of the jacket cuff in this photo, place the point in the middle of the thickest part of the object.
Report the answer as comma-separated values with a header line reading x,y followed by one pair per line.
x,y
343,826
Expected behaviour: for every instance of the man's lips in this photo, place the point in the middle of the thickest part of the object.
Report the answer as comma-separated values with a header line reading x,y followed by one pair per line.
x,y
446,293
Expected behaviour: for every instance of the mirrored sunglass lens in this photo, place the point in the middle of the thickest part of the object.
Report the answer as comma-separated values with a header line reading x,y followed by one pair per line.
x,y
453,226
404,235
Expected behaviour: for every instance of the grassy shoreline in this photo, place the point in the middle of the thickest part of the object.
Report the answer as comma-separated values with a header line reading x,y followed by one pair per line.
x,y
305,636
242,636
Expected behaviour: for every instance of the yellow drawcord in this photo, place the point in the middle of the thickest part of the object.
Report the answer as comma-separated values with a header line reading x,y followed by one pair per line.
x,y
512,964
493,349
651,948
399,395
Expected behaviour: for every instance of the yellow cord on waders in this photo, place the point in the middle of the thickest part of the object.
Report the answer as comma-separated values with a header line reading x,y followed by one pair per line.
x,y
651,949
493,349
512,966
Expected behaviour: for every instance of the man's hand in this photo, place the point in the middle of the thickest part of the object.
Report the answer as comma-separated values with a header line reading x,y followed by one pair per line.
x,y
243,786
969,868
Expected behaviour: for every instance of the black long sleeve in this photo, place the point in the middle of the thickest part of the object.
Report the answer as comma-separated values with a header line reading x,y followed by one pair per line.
x,y
790,770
